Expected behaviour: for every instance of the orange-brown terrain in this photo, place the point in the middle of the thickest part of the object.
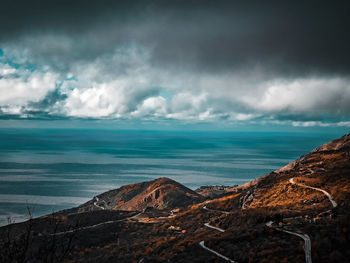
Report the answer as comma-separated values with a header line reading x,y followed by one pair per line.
x,y
299,213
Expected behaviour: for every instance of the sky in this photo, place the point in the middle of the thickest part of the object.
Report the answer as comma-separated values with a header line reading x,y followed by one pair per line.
x,y
236,62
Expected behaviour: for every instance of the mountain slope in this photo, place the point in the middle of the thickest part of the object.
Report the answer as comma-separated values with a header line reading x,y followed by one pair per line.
x,y
162,193
326,167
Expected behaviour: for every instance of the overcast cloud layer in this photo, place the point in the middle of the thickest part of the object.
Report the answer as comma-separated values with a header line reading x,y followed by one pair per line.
x,y
187,60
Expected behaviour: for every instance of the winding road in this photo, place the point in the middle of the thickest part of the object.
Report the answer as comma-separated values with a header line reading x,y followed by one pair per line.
x,y
214,252
86,227
95,203
213,227
334,204
220,211
94,226
217,229
305,237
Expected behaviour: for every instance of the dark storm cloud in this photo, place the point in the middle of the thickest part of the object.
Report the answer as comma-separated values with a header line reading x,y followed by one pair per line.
x,y
189,60
283,37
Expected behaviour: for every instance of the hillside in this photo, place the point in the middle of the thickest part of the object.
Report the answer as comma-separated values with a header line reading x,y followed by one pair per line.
x,y
326,167
162,193
299,213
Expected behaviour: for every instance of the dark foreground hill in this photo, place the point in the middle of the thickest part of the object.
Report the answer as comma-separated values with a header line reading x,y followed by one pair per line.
x,y
299,213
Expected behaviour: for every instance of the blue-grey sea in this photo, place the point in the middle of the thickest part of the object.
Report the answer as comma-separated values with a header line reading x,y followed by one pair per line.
x,y
51,169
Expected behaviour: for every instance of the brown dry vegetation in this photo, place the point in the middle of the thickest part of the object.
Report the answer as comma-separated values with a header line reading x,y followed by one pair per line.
x,y
246,239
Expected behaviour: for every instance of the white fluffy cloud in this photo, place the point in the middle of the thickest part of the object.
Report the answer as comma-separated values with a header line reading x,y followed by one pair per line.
x,y
125,84
111,86
152,107
97,101
6,70
18,87
309,95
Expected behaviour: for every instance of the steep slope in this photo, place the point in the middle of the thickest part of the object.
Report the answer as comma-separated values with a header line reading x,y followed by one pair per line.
x,y
162,193
326,167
